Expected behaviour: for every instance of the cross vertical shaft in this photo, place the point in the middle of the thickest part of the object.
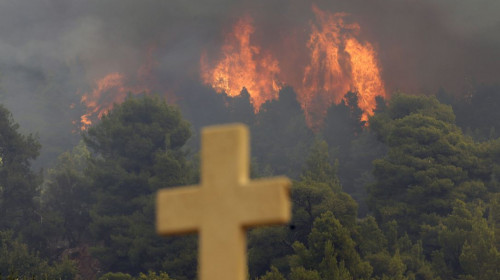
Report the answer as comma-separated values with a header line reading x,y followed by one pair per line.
x,y
224,165
223,253
225,156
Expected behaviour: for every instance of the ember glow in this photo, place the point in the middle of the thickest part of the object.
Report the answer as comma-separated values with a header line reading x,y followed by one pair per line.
x,y
107,91
326,77
332,61
365,75
243,65
114,88
338,62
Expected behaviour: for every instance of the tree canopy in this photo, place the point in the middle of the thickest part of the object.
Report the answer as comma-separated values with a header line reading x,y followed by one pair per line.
x,y
18,183
137,149
429,164
433,195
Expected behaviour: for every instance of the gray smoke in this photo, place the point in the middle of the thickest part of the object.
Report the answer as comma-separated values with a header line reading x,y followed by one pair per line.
x,y
68,44
422,44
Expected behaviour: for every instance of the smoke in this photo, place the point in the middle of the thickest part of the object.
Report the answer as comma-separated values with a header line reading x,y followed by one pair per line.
x,y
422,45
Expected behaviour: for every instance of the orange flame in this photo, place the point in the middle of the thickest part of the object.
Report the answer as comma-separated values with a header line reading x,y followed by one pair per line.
x,y
365,75
325,78
338,63
243,66
107,91
114,88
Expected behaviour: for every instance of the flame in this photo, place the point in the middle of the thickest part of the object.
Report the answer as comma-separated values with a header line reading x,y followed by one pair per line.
x,y
365,75
325,78
107,91
337,62
114,88
243,66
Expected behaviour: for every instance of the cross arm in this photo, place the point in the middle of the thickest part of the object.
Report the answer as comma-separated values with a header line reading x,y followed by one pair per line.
x,y
265,202
177,210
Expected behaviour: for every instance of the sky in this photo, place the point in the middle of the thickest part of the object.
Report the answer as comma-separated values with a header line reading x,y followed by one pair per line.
x,y
422,45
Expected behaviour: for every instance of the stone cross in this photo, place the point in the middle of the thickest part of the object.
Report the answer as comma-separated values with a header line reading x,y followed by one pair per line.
x,y
224,204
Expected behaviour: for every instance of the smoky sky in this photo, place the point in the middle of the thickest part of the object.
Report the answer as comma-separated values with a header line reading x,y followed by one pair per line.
x,y
422,45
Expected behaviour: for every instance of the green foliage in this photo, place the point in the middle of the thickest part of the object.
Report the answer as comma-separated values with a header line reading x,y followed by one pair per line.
x,y
137,150
300,273
343,123
465,244
371,238
273,274
280,135
44,104
268,246
395,268
330,252
490,152
17,260
319,191
433,193
355,171
63,270
429,163
319,168
434,162
18,183
433,184
116,276
154,276
330,239
353,145
330,268
312,198
66,198
125,276
15,257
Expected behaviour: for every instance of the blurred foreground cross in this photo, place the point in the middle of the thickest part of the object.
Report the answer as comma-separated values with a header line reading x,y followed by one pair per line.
x,y
224,204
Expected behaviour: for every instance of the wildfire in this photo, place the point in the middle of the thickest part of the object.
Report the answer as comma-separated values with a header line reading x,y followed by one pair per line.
x,y
114,88
243,66
337,63
326,77
333,61
365,75
107,91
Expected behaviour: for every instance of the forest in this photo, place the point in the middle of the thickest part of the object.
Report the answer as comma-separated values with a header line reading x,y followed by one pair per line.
x,y
413,193
384,115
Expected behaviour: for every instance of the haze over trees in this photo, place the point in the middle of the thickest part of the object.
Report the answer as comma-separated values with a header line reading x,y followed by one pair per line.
x,y
410,193
413,194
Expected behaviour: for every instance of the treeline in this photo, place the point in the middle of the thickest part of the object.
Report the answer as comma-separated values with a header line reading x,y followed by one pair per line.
x,y
406,196
433,207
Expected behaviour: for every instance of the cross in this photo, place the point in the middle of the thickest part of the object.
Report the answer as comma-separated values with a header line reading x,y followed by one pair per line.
x,y
224,204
